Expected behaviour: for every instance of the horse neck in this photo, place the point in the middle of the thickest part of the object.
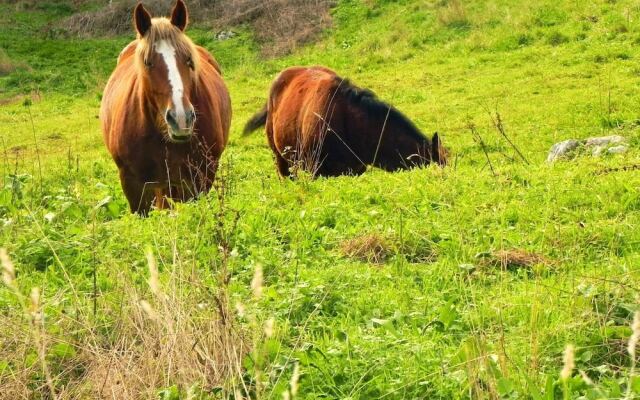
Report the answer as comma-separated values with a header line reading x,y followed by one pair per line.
x,y
386,143
363,136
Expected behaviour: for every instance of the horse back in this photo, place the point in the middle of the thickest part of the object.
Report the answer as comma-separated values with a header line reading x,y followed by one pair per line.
x,y
119,100
207,58
128,51
302,104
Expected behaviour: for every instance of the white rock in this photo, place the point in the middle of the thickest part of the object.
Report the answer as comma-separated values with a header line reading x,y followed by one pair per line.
x,y
605,140
618,149
562,149
225,35
597,150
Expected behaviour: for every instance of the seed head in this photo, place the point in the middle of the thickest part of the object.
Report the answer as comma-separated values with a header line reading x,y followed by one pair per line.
x,y
635,335
256,282
240,309
569,362
148,309
268,327
586,378
8,270
295,378
34,308
154,281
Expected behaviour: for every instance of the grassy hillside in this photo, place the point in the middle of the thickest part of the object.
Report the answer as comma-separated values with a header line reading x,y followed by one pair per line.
x,y
432,283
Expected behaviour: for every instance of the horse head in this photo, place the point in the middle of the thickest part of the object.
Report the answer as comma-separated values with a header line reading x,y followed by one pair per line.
x,y
167,65
438,153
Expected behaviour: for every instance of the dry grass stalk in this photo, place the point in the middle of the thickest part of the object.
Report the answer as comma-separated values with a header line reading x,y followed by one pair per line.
x,y
478,139
173,342
371,248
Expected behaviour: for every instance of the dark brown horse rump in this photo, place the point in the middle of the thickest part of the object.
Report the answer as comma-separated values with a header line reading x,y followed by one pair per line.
x,y
165,113
322,123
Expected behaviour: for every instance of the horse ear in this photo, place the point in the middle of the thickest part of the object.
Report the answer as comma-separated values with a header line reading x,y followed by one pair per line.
x,y
180,15
435,148
142,19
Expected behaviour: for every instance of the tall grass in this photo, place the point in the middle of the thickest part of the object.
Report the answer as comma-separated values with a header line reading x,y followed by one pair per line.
x,y
179,332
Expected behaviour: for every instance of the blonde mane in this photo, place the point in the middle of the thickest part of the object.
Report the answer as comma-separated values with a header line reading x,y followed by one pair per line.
x,y
163,29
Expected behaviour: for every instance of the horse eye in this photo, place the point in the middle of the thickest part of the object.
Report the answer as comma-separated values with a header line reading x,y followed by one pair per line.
x,y
190,63
147,63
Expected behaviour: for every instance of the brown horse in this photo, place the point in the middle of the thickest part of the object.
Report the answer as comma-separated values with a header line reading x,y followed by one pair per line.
x,y
165,113
325,125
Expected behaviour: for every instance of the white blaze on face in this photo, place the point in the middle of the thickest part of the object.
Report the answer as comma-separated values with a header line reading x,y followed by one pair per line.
x,y
168,53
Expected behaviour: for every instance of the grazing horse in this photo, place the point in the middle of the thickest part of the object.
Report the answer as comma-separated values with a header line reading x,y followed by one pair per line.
x,y
165,113
321,123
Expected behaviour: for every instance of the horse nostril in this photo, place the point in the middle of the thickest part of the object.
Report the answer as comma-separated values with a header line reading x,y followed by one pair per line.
x,y
191,117
170,117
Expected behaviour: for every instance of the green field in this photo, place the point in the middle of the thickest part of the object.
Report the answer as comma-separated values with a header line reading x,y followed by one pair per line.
x,y
455,283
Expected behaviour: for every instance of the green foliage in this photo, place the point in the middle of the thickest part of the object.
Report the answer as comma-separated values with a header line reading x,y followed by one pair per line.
x,y
431,321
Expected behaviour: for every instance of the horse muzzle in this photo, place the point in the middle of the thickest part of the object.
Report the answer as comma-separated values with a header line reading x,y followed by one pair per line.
x,y
180,127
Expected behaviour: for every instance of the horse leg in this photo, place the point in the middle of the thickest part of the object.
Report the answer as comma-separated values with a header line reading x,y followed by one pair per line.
x,y
283,166
182,193
336,167
161,201
134,190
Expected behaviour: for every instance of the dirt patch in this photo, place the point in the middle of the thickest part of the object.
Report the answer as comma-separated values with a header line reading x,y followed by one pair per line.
x,y
35,96
10,100
8,66
112,20
279,25
515,259
18,149
370,248
54,136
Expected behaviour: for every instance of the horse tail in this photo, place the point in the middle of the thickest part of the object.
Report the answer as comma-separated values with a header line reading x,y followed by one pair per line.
x,y
257,121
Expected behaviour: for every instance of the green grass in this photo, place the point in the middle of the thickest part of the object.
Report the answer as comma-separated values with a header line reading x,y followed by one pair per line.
x,y
433,320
